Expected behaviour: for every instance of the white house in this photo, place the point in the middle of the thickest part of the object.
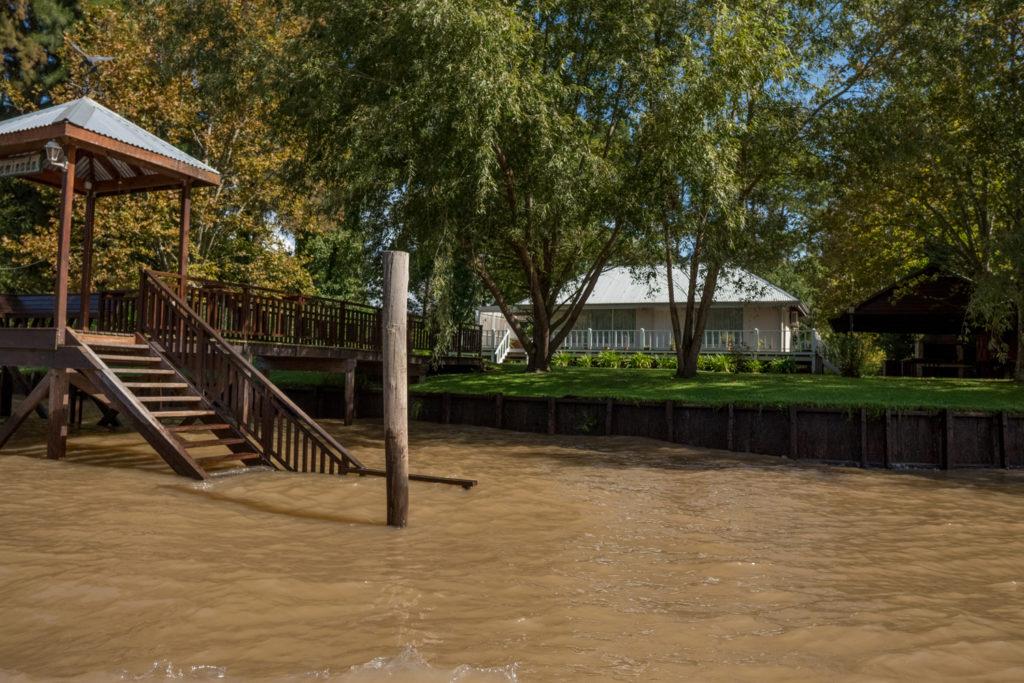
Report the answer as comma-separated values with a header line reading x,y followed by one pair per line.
x,y
629,311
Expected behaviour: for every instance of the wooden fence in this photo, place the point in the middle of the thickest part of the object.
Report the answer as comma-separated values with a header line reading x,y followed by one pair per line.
x,y
943,439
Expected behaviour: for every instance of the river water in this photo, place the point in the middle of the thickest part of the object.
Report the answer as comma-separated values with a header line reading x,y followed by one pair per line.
x,y
574,559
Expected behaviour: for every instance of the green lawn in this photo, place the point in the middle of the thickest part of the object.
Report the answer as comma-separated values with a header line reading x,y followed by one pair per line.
x,y
739,389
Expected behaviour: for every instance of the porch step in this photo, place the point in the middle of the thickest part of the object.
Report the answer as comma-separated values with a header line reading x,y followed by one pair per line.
x,y
161,414
199,427
156,385
185,398
142,371
210,459
209,443
113,346
129,359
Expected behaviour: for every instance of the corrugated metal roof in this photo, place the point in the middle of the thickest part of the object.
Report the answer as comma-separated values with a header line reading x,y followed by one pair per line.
x,y
93,116
622,286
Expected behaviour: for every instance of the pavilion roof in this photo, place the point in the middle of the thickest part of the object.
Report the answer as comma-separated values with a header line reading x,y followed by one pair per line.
x,y
114,154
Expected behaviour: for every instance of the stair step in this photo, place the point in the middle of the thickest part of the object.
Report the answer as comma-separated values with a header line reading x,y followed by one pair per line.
x,y
199,427
109,358
113,346
185,398
211,442
156,385
209,459
160,414
142,371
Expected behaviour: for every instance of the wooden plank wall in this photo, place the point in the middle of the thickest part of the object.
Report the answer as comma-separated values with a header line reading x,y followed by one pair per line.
x,y
894,439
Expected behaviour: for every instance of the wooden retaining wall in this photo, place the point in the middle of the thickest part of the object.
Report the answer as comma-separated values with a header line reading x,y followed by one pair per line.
x,y
941,439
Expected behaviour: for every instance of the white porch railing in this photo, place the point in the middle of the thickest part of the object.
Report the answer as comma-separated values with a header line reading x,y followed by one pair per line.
x,y
754,341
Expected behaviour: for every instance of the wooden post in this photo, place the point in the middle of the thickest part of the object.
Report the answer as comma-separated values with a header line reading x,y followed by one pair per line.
x,y
890,440
57,432
863,438
730,429
6,392
394,321
446,408
552,416
946,456
794,436
609,413
1004,438
87,232
499,410
350,391
186,225
669,421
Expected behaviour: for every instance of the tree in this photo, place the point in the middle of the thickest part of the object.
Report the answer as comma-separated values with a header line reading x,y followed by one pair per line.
x,y
31,33
195,79
929,155
498,134
730,135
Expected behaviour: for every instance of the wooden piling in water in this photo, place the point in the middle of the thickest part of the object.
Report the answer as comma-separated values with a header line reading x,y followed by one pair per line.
x,y
394,320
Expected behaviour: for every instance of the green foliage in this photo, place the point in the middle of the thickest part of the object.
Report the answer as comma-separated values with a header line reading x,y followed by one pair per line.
x,y
608,359
747,364
780,366
584,360
640,361
32,35
718,362
667,361
561,359
855,354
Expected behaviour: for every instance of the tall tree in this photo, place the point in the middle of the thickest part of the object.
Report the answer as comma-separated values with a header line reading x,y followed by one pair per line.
x,y
931,150
497,133
729,134
32,35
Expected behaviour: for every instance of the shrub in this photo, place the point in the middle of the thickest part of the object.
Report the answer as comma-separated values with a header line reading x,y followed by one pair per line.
x,y
744,364
608,359
583,361
780,366
641,360
561,359
717,363
669,362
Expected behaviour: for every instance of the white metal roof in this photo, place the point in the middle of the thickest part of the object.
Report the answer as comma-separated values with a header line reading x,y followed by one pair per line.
x,y
623,286
93,116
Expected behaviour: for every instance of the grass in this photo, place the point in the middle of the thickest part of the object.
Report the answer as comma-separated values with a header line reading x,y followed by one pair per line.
x,y
302,379
740,389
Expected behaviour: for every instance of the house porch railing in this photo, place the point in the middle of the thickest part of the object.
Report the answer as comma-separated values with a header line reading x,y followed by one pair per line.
x,y
804,341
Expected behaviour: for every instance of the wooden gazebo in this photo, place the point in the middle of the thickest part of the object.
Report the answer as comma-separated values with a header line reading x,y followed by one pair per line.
x,y
84,148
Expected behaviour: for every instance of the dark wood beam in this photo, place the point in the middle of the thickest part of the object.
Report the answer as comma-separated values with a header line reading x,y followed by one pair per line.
x,y
185,226
87,234
34,398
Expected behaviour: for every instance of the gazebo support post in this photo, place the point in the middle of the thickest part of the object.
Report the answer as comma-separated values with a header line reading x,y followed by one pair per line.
x,y
57,433
87,232
186,224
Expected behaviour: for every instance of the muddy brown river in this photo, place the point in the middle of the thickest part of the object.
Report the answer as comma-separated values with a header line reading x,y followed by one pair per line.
x,y
574,559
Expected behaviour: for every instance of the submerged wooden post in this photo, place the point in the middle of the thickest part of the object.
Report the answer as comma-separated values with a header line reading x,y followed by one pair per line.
x,y
57,432
350,391
6,392
394,321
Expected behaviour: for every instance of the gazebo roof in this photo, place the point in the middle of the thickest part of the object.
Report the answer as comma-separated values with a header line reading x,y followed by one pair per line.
x,y
116,155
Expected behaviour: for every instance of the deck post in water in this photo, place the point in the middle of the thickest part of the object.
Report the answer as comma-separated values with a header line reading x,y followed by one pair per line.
x,y
57,432
394,318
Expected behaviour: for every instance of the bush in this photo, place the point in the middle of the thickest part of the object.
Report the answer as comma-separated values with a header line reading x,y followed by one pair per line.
x,y
561,359
669,362
855,354
780,366
716,363
583,361
641,361
748,365
608,359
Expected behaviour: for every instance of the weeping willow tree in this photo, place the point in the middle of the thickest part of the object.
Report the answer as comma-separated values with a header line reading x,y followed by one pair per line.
x,y
496,135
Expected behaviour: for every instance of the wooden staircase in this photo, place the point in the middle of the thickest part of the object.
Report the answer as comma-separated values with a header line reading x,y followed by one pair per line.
x,y
182,425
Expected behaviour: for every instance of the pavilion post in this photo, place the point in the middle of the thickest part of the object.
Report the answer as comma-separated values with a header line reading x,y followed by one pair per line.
x,y
57,433
87,232
186,224
394,321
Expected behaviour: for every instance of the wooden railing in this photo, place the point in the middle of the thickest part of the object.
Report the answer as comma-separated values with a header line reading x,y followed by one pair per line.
x,y
270,420
251,314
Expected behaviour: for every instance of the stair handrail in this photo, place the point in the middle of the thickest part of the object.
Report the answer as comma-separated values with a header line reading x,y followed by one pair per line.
x,y
346,461
502,348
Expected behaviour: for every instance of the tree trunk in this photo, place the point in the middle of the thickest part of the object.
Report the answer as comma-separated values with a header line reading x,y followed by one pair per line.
x,y
540,359
697,312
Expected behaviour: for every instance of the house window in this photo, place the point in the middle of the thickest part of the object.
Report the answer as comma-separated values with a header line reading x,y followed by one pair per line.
x,y
607,319
725,319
